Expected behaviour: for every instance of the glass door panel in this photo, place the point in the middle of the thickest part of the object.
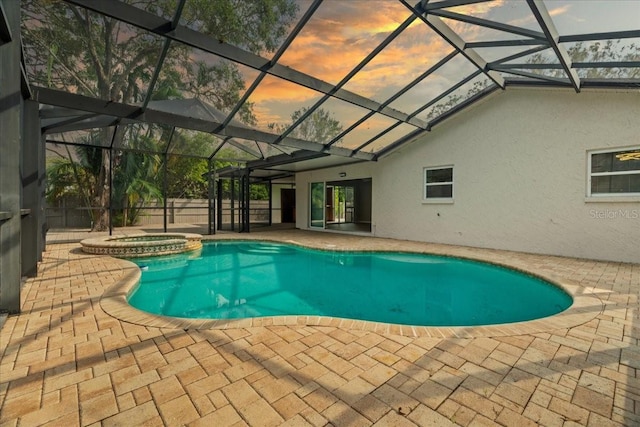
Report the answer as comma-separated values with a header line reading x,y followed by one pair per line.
x,y
317,205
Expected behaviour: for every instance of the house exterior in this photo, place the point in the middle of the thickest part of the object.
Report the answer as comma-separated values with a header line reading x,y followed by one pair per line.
x,y
520,162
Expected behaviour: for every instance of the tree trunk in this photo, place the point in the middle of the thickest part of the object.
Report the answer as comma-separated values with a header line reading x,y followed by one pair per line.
x,y
101,222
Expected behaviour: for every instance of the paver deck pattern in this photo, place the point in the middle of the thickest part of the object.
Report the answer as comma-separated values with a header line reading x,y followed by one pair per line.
x,y
65,361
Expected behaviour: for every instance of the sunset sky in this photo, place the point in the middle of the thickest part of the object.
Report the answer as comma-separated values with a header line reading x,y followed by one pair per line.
x,y
341,33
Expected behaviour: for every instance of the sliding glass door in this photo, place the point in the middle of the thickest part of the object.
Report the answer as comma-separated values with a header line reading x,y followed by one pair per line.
x,y
317,205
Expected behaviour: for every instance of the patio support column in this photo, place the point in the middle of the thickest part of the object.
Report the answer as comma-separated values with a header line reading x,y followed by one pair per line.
x,y
247,198
271,204
233,196
211,186
219,203
111,191
165,185
10,145
32,176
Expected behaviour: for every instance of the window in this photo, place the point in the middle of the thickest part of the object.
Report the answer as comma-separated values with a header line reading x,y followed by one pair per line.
x,y
614,173
438,183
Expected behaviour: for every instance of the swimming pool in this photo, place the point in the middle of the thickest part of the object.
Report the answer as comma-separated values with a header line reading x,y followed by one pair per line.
x,y
233,280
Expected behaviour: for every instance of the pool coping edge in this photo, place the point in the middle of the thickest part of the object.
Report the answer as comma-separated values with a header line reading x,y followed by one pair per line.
x,y
585,307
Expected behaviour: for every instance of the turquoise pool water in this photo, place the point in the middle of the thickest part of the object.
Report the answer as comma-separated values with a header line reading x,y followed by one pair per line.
x,y
230,280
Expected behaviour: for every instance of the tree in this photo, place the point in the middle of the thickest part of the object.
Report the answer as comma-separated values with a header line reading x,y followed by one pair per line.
x,y
607,51
73,49
186,176
135,177
319,127
452,100
70,179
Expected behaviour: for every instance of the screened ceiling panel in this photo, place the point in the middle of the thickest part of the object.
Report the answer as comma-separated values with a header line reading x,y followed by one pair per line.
x,y
391,135
340,35
164,8
499,53
545,56
404,59
464,92
148,137
193,143
511,12
270,150
367,130
190,72
254,80
275,102
341,115
70,64
434,84
579,16
478,33
238,149
606,52
248,25
101,137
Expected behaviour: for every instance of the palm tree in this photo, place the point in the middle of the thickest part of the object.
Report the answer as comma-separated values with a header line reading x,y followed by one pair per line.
x,y
135,175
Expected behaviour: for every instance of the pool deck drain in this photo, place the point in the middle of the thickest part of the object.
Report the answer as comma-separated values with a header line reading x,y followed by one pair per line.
x,y
66,361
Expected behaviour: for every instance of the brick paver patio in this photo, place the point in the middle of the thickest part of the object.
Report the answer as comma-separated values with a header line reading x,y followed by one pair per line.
x,y
65,361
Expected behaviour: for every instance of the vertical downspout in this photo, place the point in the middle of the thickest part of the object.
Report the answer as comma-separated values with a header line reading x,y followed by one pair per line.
x,y
165,186
111,191
271,203
247,199
219,199
233,196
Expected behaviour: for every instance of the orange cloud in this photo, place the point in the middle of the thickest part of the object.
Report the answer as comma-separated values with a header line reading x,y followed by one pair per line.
x,y
336,39
477,9
275,89
340,35
560,10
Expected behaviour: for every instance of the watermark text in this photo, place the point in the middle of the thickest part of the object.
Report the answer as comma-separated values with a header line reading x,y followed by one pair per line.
x,y
615,213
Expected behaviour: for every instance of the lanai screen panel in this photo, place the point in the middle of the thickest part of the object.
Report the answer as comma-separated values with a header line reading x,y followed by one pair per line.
x,y
348,78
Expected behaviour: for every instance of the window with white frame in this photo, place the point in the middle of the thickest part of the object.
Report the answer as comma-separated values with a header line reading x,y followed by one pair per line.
x,y
614,172
438,183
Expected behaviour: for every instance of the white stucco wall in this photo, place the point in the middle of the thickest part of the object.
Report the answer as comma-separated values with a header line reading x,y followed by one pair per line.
x,y
276,201
520,176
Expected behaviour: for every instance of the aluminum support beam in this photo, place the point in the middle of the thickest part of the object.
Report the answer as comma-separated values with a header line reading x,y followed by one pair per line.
x,y
551,33
69,100
33,177
352,73
397,95
449,3
613,35
605,64
489,24
296,30
506,43
11,143
163,55
454,40
517,55
52,128
558,80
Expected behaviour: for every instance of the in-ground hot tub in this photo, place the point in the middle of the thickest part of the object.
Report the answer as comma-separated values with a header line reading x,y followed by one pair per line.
x,y
142,245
